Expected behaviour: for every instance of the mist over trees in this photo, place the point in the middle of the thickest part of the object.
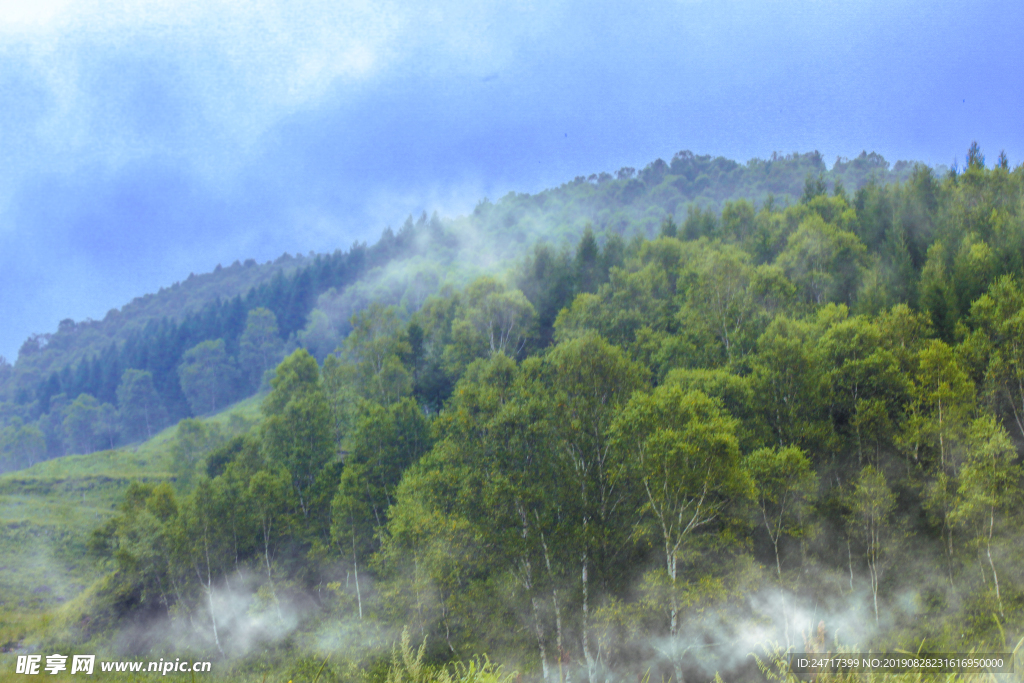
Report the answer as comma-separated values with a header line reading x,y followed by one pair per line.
x,y
620,452
616,456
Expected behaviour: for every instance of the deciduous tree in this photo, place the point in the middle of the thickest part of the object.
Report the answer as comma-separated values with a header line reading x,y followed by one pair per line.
x,y
682,447
989,489
206,375
872,504
260,347
142,412
783,482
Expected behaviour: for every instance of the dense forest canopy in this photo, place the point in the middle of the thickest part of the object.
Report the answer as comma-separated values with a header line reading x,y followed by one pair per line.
x,y
617,454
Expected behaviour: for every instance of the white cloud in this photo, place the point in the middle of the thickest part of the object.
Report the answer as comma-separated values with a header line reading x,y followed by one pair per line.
x,y
17,15
203,80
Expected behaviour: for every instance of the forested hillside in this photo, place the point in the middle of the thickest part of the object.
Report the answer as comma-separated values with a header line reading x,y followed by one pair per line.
x,y
43,354
98,384
680,440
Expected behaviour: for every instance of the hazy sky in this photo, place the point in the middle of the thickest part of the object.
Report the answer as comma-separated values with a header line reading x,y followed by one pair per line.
x,y
142,140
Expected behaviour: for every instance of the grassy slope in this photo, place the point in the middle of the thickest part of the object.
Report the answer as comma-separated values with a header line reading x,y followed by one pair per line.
x,y
47,513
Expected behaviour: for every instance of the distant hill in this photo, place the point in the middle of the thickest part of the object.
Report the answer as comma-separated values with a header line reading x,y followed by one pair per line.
x,y
73,341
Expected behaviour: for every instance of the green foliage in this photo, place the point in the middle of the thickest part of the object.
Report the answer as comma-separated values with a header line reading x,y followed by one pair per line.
x,y
383,445
260,347
297,375
783,482
375,349
788,384
996,344
503,318
298,436
823,261
867,391
142,413
583,466
22,445
682,448
491,319
872,504
206,375
684,451
407,666
721,312
943,398
80,424
546,279
628,303
194,439
989,491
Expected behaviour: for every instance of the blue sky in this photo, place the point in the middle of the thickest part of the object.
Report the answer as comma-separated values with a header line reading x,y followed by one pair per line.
x,y
144,140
